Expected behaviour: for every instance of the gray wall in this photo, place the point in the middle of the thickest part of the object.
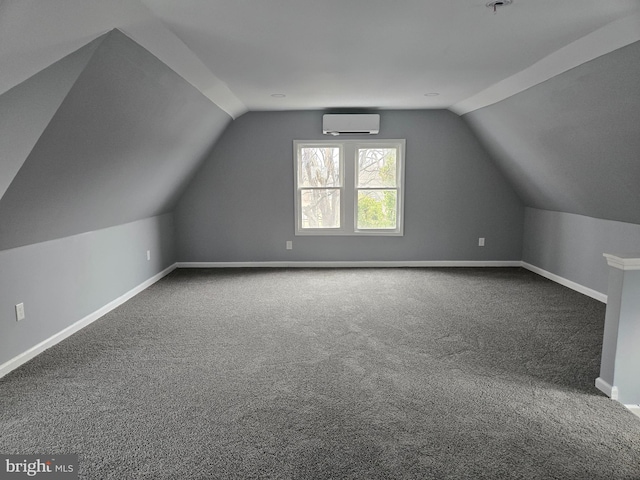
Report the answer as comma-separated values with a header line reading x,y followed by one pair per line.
x,y
27,109
121,147
240,205
96,150
572,144
62,281
571,246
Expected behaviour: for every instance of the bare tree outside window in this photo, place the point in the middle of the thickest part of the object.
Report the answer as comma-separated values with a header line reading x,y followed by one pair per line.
x,y
349,187
319,174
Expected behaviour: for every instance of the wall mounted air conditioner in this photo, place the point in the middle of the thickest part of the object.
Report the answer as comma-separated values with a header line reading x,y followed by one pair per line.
x,y
351,124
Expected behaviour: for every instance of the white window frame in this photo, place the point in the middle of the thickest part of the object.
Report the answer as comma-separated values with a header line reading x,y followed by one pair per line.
x,y
349,188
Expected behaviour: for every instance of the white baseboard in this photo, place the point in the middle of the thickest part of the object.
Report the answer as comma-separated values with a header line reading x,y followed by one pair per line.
x,y
635,409
612,393
408,263
348,264
71,329
567,283
58,337
609,390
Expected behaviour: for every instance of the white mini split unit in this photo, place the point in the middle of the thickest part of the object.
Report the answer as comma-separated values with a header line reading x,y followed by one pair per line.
x,y
351,124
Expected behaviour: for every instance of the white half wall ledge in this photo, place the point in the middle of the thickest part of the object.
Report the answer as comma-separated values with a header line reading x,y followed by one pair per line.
x,y
613,36
623,261
36,350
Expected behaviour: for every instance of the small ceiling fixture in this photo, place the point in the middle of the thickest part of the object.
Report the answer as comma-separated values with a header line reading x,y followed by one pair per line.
x,y
431,94
495,4
278,95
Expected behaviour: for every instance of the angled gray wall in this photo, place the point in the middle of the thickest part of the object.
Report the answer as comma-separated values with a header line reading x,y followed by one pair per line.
x,y
111,137
27,109
572,143
120,148
239,207
571,148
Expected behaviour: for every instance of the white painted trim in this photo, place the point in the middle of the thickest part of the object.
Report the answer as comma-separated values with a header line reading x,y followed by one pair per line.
x,y
360,264
635,409
612,36
349,186
601,297
609,390
24,357
408,263
629,261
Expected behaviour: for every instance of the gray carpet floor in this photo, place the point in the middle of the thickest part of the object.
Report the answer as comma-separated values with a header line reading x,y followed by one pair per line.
x,y
330,374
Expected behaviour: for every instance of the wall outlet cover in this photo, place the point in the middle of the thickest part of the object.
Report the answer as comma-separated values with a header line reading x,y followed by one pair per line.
x,y
20,312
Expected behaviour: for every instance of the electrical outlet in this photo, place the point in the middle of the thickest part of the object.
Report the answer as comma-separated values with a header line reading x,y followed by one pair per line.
x,y
148,254
481,242
289,245
19,312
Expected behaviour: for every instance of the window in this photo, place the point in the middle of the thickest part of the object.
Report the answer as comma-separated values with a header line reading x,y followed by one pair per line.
x,y
349,187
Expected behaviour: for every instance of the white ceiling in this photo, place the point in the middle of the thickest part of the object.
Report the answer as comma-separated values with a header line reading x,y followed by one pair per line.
x,y
384,53
330,53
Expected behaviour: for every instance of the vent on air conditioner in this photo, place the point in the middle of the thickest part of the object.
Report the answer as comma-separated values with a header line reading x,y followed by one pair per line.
x,y
351,124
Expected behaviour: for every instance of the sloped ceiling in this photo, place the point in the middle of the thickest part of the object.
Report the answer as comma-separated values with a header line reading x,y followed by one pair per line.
x,y
120,147
25,110
108,136
379,53
572,143
35,34
330,54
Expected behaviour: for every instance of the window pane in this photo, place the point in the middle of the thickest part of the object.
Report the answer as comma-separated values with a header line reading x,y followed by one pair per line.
x,y
319,167
320,208
377,208
377,167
